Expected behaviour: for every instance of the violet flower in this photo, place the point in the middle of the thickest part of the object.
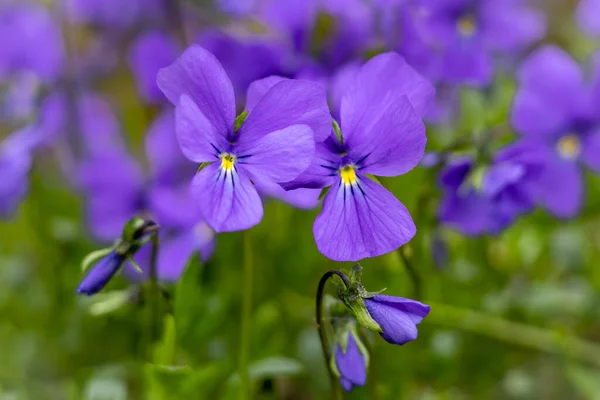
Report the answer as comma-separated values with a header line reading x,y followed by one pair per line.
x,y
455,41
554,109
481,200
587,16
350,361
275,143
382,135
398,317
148,53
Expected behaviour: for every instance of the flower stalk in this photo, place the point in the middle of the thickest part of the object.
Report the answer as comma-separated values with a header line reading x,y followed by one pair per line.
x,y
246,317
335,386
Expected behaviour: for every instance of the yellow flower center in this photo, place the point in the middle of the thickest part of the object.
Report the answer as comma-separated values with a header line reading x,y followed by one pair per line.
x,y
348,175
227,161
569,146
466,25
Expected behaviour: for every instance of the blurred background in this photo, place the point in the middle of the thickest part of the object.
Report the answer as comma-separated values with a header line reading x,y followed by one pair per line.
x,y
87,142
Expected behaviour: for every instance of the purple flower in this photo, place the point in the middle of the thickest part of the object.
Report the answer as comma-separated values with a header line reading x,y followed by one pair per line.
x,y
112,13
454,41
150,52
101,274
350,363
397,317
481,200
15,161
382,135
555,110
275,143
587,16
39,48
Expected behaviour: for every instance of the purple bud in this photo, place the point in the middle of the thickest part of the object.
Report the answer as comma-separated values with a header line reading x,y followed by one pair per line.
x,y
397,316
100,274
351,364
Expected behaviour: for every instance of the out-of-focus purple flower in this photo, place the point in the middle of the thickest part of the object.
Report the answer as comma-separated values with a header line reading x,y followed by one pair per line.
x,y
112,13
246,57
383,134
398,317
555,108
101,274
275,143
481,200
237,8
150,52
587,16
30,40
454,41
350,362
15,161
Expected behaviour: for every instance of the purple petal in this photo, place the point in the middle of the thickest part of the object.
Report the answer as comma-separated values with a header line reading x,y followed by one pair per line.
x,y
346,384
100,274
167,161
227,199
455,173
112,184
14,182
468,63
587,16
279,156
200,141
361,220
550,90
322,170
150,52
590,150
382,79
199,75
394,143
511,26
289,102
398,317
341,81
499,176
304,199
351,364
559,186
467,211
173,206
175,253
258,89
98,124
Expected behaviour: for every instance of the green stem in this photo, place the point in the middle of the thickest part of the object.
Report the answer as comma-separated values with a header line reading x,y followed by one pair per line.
x,y
154,292
516,333
412,272
246,317
335,386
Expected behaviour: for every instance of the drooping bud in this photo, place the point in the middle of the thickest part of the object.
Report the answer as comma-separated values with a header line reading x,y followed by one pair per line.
x,y
350,358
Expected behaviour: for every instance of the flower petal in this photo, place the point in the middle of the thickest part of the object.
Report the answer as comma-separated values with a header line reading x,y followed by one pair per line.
x,y
175,253
550,90
559,186
289,102
397,316
258,89
380,81
587,16
100,274
304,199
351,364
590,150
322,169
511,26
227,199
173,206
200,76
279,156
198,138
394,144
361,220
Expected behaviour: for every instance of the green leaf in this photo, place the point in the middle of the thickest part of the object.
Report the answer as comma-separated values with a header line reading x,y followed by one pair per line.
x,y
272,367
586,381
105,303
239,120
324,192
338,131
135,265
93,257
164,352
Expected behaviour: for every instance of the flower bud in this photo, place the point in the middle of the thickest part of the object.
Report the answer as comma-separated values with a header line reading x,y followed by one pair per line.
x,y
350,358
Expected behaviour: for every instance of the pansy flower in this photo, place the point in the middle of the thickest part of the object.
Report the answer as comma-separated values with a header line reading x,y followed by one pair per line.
x,y
350,358
382,134
275,143
555,109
